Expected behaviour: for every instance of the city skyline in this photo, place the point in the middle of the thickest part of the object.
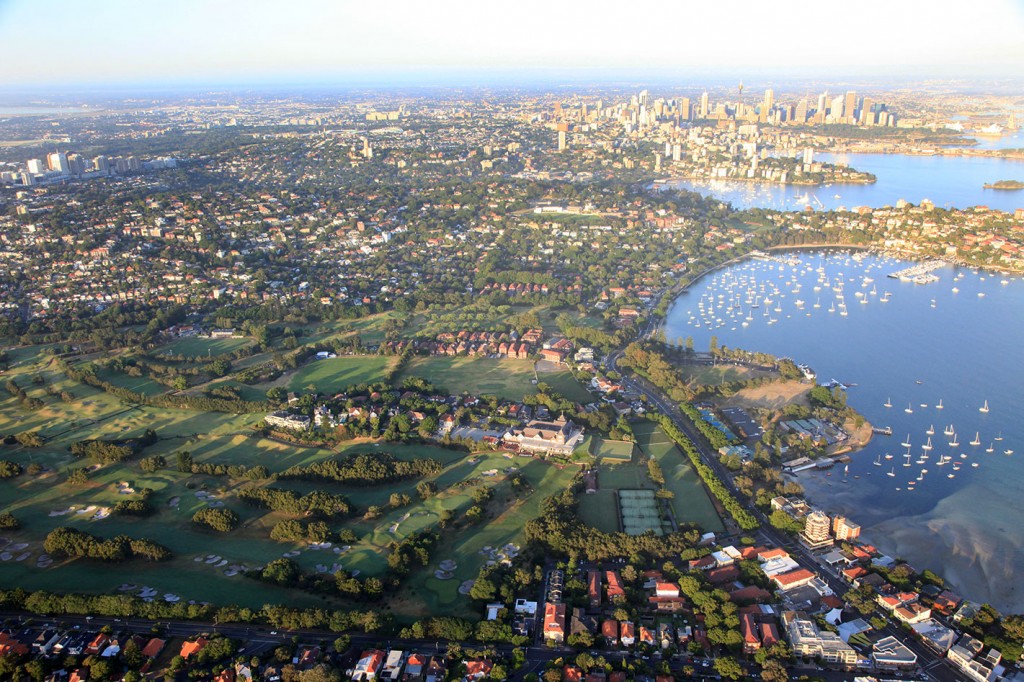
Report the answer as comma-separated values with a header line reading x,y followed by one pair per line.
x,y
457,42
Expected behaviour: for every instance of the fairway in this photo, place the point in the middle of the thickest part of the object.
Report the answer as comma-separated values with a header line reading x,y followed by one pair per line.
x,y
194,346
691,503
337,374
505,378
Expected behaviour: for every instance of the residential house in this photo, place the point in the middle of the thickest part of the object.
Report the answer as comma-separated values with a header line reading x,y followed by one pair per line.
x,y
554,622
368,666
627,633
191,648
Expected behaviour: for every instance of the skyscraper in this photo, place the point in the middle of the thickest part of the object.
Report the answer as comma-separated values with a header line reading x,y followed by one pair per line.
x,y
867,116
36,166
769,101
704,105
850,107
801,111
836,110
684,109
562,142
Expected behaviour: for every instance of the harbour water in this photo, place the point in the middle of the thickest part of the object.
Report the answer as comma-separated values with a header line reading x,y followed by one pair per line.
x,y
911,346
949,181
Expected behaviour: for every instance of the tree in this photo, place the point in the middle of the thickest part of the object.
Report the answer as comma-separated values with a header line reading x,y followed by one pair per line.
x,y
774,671
729,668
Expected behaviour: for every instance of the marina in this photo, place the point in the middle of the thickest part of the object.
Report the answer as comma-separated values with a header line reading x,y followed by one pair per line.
x,y
907,371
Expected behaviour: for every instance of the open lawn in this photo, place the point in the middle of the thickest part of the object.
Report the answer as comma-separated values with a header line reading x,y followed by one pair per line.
x,y
337,374
708,375
691,503
612,451
565,383
505,378
601,510
194,346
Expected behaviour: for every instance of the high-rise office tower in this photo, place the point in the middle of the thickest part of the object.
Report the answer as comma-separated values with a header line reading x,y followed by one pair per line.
x,y
850,106
769,100
801,111
704,105
562,141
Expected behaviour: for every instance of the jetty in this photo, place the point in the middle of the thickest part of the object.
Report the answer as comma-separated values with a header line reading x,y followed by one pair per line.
x,y
882,431
919,273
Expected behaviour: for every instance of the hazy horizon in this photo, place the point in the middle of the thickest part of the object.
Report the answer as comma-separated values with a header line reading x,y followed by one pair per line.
x,y
117,44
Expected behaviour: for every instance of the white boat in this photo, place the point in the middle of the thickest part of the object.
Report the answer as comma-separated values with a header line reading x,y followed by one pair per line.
x,y
1007,452
949,431
983,408
931,430
950,475
892,473
977,439
928,445
990,448
906,443
1000,436
888,403
888,456
974,464
939,406
955,443
909,409
878,461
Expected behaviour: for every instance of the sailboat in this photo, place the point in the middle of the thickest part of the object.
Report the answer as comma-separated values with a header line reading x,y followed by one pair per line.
x,y
1000,436
907,463
931,430
955,442
983,408
888,456
939,406
892,473
949,431
906,443
977,440
888,403
909,409
878,461
990,448
928,445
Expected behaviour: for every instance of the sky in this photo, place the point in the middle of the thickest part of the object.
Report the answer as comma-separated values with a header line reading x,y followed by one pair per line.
x,y
53,43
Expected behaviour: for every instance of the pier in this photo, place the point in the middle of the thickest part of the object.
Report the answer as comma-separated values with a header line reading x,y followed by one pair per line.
x,y
919,273
887,431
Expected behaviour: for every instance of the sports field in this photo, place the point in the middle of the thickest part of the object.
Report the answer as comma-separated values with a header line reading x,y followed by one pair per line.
x,y
600,510
691,503
612,451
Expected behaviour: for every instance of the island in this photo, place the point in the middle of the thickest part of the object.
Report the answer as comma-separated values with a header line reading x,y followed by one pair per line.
x,y
1004,184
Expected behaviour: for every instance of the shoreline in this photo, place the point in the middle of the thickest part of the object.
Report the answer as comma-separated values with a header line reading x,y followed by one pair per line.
x,y
761,181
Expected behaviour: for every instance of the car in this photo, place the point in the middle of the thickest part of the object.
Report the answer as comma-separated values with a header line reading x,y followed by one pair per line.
x,y
273,632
